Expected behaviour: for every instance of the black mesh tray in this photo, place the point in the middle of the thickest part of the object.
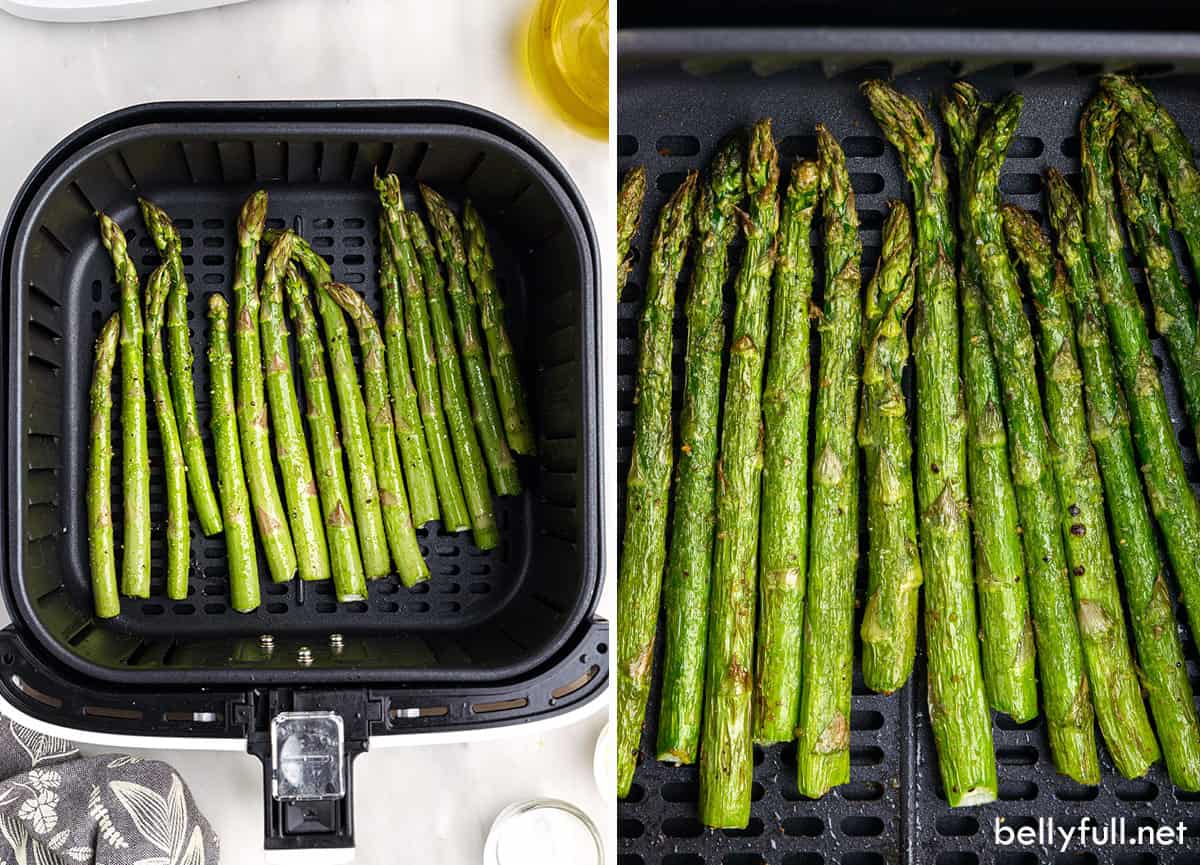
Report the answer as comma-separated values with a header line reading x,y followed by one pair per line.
x,y
679,96
483,616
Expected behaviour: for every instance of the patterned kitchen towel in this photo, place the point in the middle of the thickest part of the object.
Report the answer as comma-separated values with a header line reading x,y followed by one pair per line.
x,y
58,808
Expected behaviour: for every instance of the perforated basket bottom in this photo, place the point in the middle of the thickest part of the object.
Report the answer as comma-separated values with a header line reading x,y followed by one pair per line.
x,y
893,809
466,585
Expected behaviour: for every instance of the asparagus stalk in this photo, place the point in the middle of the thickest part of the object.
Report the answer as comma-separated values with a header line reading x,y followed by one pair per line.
x,y
486,414
648,484
174,468
518,428
784,525
345,561
823,725
231,481
1171,499
956,696
1149,235
1065,691
689,560
406,408
1152,615
1116,694
1174,153
135,449
889,627
726,746
182,397
397,519
364,491
1007,628
291,448
455,516
251,398
101,548
471,467
629,214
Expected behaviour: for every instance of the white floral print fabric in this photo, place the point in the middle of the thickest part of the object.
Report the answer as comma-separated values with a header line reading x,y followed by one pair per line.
x,y
57,808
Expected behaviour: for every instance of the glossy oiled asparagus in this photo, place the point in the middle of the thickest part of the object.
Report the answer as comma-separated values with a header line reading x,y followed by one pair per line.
x,y
101,548
629,214
135,448
244,593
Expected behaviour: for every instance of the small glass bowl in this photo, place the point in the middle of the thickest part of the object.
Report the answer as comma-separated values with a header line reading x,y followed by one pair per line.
x,y
492,852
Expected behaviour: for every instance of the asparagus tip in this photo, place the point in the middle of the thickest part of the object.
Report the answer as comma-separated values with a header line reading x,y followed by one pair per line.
x,y
252,218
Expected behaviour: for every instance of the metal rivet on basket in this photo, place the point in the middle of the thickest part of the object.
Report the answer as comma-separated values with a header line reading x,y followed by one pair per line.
x,y
267,642
304,656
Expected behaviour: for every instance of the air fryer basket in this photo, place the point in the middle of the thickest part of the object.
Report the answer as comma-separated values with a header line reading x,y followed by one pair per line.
x,y
484,616
893,810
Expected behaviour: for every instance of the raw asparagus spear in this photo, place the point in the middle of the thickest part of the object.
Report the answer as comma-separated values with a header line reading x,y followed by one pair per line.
x,y
956,696
1174,154
231,482
823,725
1171,499
101,548
1065,691
648,483
251,397
486,413
179,346
689,563
1152,615
471,468
518,428
406,407
455,516
726,746
291,448
1007,628
889,627
1116,694
1149,235
344,558
364,491
135,449
784,524
629,214
402,538
174,468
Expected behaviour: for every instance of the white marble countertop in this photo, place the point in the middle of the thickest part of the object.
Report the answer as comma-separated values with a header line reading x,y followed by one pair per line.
x,y
430,804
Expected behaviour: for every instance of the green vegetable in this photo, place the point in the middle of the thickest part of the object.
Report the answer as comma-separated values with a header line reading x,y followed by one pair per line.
x,y
1065,692
629,214
484,410
182,396
823,726
648,484
889,627
956,696
344,558
689,563
1007,628
101,549
135,448
291,448
244,593
179,536
783,544
1152,614
1116,694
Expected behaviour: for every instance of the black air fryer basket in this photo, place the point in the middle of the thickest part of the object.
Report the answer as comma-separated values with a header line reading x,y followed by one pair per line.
x,y
681,92
493,639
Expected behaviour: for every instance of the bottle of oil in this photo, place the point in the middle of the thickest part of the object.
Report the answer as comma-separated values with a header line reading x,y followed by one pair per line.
x,y
566,56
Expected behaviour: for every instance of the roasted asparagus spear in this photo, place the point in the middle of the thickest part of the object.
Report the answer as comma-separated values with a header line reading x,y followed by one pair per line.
x,y
101,548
